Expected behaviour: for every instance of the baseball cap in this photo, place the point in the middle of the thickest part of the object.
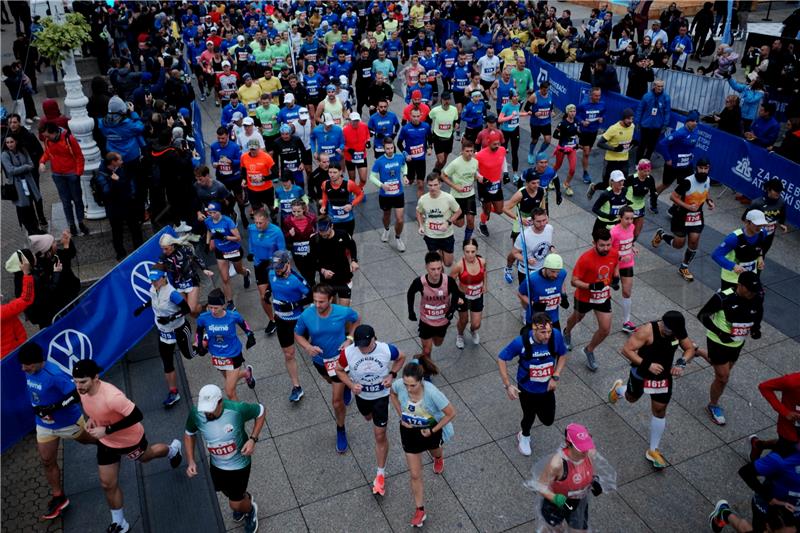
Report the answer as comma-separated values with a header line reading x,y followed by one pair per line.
x,y
213,206
363,335
675,322
553,262
237,116
331,87
248,121
281,258
247,76
226,63
515,40
285,128
328,119
756,217
342,80
355,116
416,94
579,437
288,98
447,95
627,112
253,143
542,156
240,38
617,175
86,368
303,113
749,280
491,117
155,274
531,175
209,397
693,115
475,93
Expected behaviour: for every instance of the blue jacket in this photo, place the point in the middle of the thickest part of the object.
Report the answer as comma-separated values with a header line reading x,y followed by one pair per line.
x,y
766,131
653,111
262,244
473,114
749,100
685,41
232,152
678,147
122,135
117,194
229,110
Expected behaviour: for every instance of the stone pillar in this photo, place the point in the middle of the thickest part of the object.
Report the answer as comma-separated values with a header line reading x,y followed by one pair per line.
x,y
82,125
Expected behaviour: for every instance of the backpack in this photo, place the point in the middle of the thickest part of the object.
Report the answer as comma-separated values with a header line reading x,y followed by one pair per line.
x,y
709,48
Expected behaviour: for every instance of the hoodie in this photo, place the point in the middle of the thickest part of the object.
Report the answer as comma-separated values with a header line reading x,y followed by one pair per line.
x,y
122,130
52,113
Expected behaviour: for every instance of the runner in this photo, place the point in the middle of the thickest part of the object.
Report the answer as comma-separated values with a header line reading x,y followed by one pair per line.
x,y
339,197
688,198
596,272
390,173
651,349
640,185
622,240
258,167
368,368
318,177
508,117
297,231
412,141
521,206
470,273
263,240
327,139
226,159
567,135
677,148
335,258
473,114
180,262
426,417
436,213
779,519
538,244
788,409
289,151
730,316
58,416
487,66
169,310
287,193
460,175
330,109
222,343
491,166
541,351
548,289
356,139
439,300
742,250
540,106
323,331
222,238
590,115
461,76
116,423
222,425
383,123
617,141
444,118
774,208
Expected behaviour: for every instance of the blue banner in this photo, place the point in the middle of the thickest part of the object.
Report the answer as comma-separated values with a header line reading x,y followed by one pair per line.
x,y
197,133
101,327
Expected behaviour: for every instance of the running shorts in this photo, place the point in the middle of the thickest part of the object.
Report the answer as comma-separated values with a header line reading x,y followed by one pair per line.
x,y
106,455
44,434
426,331
719,354
414,442
585,307
468,206
387,203
475,305
637,387
285,331
445,244
377,409
231,483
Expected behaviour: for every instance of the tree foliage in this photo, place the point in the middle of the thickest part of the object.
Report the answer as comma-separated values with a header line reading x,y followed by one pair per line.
x,y
56,39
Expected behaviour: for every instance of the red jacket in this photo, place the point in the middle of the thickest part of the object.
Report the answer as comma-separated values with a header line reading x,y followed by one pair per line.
x,y
52,113
789,387
64,154
13,333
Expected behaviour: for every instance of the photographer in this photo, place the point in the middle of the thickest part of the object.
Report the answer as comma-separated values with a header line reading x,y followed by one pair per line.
x,y
640,74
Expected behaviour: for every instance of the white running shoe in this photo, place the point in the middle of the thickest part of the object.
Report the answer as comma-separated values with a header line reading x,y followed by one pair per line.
x,y
460,342
401,246
476,337
385,235
524,444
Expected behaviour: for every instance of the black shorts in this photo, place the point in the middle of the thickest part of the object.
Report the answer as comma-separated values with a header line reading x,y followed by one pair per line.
x,y
426,331
307,157
269,142
262,276
285,331
486,196
414,442
416,170
486,84
324,373
237,361
471,134
587,138
343,291
232,184
258,199
387,203
468,206
378,409
106,455
545,130
576,519
352,166
585,307
626,272
231,483
459,97
446,244
678,225
442,146
233,256
636,389
719,354
473,305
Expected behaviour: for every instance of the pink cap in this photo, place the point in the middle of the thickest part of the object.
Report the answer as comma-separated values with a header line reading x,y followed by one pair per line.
x,y
579,437
416,94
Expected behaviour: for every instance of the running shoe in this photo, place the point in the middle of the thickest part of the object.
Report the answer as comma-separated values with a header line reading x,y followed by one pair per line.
x,y
118,528
718,519
348,396
341,440
460,342
171,399
655,457
271,328
613,396
251,523
628,327
531,159
54,508
438,465
717,414
458,136
419,518
174,453
202,97
551,186
590,192
685,274
246,279
378,485
591,362
756,448
84,229
657,238
476,337
524,444
238,516
517,179
249,377
483,229
568,341
508,274
587,179
568,191
401,246
385,235
297,393
506,178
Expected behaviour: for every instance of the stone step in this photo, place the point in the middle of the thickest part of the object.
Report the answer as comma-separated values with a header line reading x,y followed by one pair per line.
x,y
87,67
56,89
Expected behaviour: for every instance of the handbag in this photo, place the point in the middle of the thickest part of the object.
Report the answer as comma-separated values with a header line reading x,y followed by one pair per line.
x,y
9,192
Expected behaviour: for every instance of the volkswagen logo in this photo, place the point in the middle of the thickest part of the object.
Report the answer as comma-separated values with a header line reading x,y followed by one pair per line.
x,y
140,283
69,347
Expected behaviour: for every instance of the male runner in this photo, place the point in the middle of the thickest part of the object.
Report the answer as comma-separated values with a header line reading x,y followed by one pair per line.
x,y
356,141
538,242
443,121
590,117
335,255
651,349
263,239
339,197
437,212
323,331
367,368
540,105
491,166
617,141
742,250
788,409
460,175
412,141
521,205
390,173
544,290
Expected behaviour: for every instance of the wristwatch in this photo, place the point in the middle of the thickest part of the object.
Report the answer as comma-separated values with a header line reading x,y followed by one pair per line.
x,y
350,338
555,377
393,373
253,438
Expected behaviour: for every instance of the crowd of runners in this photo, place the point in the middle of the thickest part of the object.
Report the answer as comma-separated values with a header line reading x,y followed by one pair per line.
x,y
306,136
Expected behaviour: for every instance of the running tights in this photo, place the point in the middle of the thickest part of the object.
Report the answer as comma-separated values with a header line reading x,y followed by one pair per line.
x,y
166,351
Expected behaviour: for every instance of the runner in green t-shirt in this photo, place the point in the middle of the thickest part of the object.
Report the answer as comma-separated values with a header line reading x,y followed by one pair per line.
x,y
460,175
437,211
278,52
444,118
267,113
222,425
262,56
523,79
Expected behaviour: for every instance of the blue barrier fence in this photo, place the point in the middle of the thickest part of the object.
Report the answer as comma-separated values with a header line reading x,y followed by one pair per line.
x,y
101,327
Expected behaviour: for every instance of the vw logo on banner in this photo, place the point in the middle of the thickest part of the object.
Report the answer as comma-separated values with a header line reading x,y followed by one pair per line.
x,y
542,76
140,283
69,347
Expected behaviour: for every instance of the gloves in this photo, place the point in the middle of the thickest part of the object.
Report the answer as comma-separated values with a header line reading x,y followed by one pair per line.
x,y
200,350
41,411
139,310
250,257
559,500
351,151
164,319
597,489
251,341
412,316
615,283
634,143
559,199
755,334
217,236
564,300
619,148
597,286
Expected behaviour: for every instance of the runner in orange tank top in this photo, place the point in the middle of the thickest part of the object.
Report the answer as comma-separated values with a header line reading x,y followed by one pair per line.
x,y
470,273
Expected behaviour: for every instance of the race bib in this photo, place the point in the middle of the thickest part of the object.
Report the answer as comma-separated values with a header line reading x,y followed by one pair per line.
x,y
434,311
223,450
415,421
540,373
551,303
684,160
493,187
337,121
740,330
330,366
135,454
448,62
656,386
504,101
372,388
473,292
252,106
488,71
445,126
366,72
231,255
256,178
417,150
466,189
770,228
311,57
598,297
393,187
542,113
626,247
224,168
301,248
338,212
167,337
437,226
358,157
185,284
749,266
468,57
222,363
693,218
268,127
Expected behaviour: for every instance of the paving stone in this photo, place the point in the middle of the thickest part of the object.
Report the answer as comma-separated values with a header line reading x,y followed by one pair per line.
x,y
714,475
284,416
336,512
783,357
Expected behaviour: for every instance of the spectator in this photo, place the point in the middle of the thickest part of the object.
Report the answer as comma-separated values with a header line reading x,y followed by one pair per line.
x,y
752,94
765,129
66,162
726,61
14,333
657,34
605,76
118,192
701,25
681,46
52,113
730,118
17,166
652,116
55,284
640,74
30,143
659,55
28,56
790,147
20,88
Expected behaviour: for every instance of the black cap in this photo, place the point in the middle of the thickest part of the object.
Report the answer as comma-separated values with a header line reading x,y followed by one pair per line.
x,y
749,280
675,322
363,335
447,95
491,117
627,112
703,162
86,368
216,297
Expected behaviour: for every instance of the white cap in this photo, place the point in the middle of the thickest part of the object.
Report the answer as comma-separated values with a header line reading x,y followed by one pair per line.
x,y
240,38
209,397
756,217
327,119
288,98
248,121
237,116
303,113
355,116
343,79
617,175
226,63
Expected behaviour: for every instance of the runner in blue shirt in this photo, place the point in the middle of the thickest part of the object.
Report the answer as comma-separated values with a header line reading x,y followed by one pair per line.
x,y
287,193
473,116
58,415
502,88
394,49
323,331
226,160
447,63
389,174
548,289
589,117
383,123
413,142
216,335
263,239
222,238
540,104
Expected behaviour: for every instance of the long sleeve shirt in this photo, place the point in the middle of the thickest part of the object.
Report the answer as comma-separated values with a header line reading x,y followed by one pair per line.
x,y
334,254
766,131
789,402
13,332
